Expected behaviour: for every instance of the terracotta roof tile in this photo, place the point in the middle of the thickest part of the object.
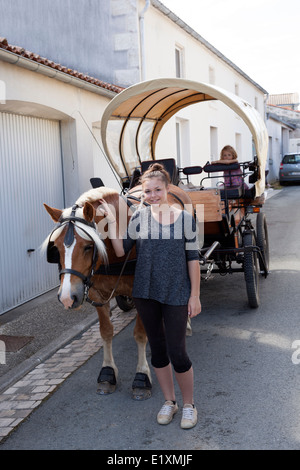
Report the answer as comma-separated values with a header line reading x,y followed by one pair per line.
x,y
61,68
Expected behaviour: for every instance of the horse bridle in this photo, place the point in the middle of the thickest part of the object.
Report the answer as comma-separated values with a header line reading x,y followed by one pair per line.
x,y
53,254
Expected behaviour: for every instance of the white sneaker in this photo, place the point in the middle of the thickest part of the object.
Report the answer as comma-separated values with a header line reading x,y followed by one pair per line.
x,y
166,413
189,417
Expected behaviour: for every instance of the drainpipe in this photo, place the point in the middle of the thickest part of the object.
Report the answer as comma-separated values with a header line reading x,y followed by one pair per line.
x,y
142,41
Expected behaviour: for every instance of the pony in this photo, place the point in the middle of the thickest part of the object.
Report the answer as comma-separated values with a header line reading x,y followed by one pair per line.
x,y
89,269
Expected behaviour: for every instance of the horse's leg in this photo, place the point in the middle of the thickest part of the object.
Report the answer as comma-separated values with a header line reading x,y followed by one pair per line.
x,y
141,387
107,379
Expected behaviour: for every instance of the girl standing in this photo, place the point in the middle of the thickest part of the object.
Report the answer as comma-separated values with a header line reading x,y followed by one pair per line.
x,y
166,287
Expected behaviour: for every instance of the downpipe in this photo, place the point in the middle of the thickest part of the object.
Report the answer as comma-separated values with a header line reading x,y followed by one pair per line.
x,y
142,40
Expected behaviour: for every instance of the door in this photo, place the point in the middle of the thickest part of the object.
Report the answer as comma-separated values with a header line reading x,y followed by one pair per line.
x,y
30,174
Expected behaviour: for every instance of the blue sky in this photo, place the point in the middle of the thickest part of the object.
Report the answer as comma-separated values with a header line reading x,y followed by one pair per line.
x,y
262,37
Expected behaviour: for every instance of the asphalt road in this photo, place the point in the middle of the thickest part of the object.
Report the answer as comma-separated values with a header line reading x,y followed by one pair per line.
x,y
247,376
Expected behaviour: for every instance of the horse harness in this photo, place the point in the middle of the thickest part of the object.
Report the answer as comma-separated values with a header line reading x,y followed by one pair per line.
x,y
53,254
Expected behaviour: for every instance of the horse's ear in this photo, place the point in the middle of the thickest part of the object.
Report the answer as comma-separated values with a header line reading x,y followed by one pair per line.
x,y
54,213
88,212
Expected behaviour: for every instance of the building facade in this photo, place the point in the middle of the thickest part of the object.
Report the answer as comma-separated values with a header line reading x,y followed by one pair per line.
x,y
283,124
49,150
52,99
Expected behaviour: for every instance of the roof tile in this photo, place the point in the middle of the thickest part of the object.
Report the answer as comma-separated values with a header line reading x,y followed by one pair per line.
x,y
49,63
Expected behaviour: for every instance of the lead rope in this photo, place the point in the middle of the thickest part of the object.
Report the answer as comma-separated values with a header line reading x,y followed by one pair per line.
x,y
101,304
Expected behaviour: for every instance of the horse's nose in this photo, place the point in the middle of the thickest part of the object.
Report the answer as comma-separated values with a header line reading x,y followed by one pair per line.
x,y
76,301
73,298
66,301
70,302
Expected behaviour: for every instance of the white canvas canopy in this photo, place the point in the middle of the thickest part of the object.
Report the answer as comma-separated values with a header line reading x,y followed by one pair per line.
x,y
133,120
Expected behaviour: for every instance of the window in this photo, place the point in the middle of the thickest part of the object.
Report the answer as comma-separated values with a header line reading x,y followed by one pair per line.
x,y
214,155
178,62
291,158
238,145
178,144
182,142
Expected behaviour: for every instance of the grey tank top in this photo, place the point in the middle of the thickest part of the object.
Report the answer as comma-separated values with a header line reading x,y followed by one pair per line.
x,y
162,254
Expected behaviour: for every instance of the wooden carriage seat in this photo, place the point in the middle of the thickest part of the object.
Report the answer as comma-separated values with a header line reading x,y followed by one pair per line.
x,y
170,166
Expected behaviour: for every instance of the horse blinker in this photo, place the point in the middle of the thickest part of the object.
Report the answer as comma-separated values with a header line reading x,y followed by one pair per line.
x,y
52,253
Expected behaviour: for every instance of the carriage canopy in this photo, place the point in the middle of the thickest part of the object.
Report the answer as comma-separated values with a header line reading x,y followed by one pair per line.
x,y
132,121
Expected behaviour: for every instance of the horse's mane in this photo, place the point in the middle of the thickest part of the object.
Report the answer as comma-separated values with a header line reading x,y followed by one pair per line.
x,y
95,194
91,196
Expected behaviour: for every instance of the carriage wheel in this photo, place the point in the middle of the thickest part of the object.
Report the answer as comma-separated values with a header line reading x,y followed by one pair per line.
x,y
262,240
251,271
125,303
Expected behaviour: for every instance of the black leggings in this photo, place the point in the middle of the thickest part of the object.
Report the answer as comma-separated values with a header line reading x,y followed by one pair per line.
x,y
165,327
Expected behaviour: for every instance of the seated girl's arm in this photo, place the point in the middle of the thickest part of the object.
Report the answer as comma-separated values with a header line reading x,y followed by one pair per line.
x,y
117,241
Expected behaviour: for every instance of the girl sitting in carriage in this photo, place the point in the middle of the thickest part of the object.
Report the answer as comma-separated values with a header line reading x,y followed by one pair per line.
x,y
232,178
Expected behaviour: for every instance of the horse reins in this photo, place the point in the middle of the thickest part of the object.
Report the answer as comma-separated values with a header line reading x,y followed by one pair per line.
x,y
101,304
69,239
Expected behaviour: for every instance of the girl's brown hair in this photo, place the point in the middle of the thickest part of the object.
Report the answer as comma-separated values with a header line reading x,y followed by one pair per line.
x,y
230,149
156,170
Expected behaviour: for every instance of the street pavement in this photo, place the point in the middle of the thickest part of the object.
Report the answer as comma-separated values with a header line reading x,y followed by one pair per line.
x,y
246,384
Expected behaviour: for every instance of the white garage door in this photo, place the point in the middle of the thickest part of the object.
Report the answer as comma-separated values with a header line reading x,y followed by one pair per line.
x,y
30,174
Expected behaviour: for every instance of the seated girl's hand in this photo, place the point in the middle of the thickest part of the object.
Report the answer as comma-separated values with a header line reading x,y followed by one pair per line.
x,y
105,210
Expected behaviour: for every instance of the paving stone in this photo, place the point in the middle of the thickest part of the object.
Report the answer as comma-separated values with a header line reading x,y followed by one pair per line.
x,y
20,399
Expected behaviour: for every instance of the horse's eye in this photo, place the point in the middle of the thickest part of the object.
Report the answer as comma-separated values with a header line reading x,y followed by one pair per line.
x,y
88,248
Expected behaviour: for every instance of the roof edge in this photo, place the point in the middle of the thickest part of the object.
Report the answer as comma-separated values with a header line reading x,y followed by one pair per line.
x,y
18,56
173,17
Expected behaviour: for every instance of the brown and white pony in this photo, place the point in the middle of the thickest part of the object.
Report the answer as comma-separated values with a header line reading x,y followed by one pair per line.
x,y
79,244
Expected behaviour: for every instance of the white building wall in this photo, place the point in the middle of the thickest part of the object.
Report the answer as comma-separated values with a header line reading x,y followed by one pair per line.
x,y
77,110
162,36
294,145
278,147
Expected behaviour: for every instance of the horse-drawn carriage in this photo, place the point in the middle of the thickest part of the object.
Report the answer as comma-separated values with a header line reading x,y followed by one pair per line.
x,y
231,241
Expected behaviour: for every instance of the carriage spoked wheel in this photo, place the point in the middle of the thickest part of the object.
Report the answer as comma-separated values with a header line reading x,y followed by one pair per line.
x,y
262,241
124,302
251,270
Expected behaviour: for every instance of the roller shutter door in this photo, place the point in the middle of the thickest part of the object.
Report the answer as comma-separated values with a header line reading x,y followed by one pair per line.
x,y
30,174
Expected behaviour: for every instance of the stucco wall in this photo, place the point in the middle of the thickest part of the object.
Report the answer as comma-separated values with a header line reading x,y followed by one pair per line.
x,y
78,110
96,37
161,37
278,146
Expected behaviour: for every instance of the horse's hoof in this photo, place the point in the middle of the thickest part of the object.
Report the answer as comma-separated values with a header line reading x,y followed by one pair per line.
x,y
107,381
141,387
141,394
105,388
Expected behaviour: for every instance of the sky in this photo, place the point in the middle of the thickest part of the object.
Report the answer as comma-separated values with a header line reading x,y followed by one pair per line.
x,y
261,37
